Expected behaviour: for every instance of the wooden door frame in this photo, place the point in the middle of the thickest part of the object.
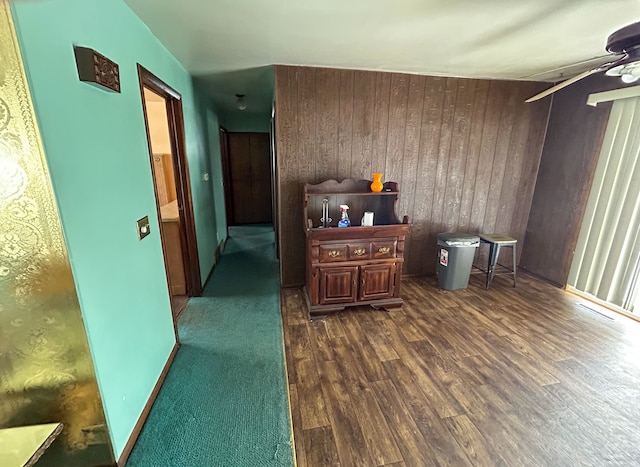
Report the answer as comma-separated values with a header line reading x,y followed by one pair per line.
x,y
274,180
175,117
226,176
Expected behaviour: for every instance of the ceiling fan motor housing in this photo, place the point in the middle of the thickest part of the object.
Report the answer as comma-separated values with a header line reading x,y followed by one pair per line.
x,y
624,40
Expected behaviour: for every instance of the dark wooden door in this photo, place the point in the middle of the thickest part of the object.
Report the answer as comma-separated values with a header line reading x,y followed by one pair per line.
x,y
250,178
376,281
338,285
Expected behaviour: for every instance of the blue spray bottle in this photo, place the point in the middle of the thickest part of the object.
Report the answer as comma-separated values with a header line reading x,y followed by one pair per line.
x,y
344,216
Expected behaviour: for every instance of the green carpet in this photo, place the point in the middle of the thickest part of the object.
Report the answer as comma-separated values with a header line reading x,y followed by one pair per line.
x,y
224,401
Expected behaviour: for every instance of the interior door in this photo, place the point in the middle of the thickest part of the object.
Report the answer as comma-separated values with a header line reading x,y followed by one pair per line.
x,y
249,158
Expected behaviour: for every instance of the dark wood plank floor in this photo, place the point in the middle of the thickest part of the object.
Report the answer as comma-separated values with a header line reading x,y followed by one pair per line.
x,y
506,377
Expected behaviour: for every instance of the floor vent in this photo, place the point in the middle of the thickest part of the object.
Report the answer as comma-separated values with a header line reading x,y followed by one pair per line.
x,y
589,307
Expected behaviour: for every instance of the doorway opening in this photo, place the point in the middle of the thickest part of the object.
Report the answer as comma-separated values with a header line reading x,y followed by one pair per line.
x,y
246,166
606,264
165,136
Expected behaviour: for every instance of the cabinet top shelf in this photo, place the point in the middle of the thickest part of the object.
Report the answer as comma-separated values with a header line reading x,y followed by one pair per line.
x,y
358,193
349,187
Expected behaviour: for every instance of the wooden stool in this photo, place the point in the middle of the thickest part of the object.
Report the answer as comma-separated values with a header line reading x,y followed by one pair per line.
x,y
495,242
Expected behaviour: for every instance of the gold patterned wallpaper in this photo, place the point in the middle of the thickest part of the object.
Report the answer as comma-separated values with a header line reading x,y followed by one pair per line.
x,y
46,371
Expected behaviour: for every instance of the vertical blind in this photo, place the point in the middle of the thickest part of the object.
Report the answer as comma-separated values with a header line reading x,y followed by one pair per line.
x,y
607,254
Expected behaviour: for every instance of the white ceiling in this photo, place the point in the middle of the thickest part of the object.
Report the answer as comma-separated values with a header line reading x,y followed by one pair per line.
x,y
507,39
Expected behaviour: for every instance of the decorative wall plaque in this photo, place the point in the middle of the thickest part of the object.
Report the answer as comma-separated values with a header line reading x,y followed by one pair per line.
x,y
95,68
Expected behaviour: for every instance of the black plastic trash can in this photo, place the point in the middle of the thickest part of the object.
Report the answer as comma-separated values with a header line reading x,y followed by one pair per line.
x,y
455,259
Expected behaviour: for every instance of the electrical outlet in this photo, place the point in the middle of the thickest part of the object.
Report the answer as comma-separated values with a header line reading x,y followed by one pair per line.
x,y
143,228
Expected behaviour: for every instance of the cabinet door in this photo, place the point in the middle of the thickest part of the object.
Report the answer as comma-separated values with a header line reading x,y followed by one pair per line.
x,y
338,285
377,281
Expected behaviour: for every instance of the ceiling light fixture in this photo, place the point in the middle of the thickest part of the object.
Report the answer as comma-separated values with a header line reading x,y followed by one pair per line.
x,y
240,102
628,78
628,72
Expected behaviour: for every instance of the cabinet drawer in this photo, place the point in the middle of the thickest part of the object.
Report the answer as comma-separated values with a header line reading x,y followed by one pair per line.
x,y
353,251
385,249
332,253
356,251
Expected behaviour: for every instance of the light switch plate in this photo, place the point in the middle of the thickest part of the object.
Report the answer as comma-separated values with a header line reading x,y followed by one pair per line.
x,y
143,227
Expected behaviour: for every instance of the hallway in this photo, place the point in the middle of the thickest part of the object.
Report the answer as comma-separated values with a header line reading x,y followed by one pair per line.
x,y
224,401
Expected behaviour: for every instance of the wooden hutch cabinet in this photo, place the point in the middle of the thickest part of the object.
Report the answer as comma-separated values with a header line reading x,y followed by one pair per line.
x,y
356,265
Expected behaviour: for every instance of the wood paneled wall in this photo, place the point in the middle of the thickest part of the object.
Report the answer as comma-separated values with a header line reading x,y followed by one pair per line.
x,y
465,152
568,164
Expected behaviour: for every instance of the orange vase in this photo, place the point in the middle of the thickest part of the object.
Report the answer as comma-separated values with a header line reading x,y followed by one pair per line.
x,y
376,185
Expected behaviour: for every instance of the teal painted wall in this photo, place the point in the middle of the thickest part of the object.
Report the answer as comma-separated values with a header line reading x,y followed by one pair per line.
x,y
211,126
96,148
216,163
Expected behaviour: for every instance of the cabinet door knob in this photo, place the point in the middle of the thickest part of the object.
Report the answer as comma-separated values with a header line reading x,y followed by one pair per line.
x,y
359,251
334,253
384,249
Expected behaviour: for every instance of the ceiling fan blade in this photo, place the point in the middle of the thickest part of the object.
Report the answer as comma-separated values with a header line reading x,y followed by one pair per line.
x,y
558,73
564,84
